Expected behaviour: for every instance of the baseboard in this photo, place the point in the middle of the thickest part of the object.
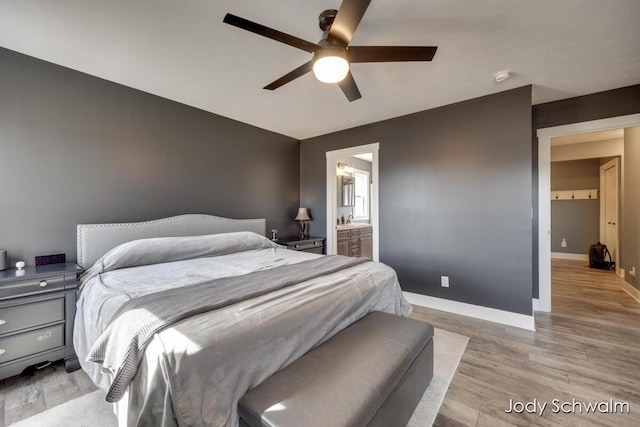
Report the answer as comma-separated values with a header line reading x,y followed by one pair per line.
x,y
577,257
477,311
635,294
536,304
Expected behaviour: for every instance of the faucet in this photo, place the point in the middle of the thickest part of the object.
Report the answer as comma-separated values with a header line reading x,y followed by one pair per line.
x,y
350,219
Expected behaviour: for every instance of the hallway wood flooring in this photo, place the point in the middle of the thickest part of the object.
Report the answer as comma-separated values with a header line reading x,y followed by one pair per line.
x,y
587,349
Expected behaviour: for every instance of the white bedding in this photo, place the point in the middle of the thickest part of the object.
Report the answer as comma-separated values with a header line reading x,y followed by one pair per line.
x,y
194,372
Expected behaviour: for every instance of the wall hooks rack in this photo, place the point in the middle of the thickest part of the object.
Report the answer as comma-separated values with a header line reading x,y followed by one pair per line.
x,y
575,194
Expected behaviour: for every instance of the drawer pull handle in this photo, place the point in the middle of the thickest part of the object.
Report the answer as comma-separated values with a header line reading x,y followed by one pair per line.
x,y
44,336
2,351
42,366
43,283
2,322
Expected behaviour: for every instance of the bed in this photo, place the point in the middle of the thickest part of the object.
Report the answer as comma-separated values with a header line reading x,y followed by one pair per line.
x,y
229,308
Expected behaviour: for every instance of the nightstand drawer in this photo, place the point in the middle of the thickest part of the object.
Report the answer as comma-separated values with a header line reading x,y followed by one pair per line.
x,y
37,308
28,343
303,246
31,286
31,314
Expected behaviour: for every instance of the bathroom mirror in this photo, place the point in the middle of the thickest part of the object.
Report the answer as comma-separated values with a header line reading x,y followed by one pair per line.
x,y
346,191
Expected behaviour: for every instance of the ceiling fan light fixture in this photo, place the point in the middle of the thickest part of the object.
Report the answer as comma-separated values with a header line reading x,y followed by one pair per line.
x,y
333,54
330,65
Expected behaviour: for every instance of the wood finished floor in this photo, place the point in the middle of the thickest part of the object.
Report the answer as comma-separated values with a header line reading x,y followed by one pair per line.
x,y
34,391
588,349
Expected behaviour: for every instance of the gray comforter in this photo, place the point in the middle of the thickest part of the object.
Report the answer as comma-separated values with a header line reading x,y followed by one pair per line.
x,y
195,371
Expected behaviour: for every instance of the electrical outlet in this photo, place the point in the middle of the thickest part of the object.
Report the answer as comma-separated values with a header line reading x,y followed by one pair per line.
x,y
633,271
564,243
444,281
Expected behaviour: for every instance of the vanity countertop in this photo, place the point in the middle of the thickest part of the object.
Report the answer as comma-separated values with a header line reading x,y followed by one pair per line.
x,y
352,226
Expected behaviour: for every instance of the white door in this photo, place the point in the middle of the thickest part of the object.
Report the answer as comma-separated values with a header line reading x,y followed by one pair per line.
x,y
609,207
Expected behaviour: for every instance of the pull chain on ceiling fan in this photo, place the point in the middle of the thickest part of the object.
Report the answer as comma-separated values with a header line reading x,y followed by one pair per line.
x,y
332,55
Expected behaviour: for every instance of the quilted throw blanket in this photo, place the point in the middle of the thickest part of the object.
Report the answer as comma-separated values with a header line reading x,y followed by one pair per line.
x,y
122,344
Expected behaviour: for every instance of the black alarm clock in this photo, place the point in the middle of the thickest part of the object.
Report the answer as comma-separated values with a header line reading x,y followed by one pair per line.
x,y
50,259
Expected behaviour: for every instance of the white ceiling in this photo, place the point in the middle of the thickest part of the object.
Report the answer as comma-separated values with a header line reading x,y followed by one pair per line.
x,y
367,157
181,50
579,138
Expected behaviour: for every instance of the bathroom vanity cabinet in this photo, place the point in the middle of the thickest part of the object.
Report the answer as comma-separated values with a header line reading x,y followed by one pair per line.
x,y
356,241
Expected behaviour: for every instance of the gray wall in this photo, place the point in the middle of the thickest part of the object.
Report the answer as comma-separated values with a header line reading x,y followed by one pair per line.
x,y
578,221
78,149
631,208
600,105
455,197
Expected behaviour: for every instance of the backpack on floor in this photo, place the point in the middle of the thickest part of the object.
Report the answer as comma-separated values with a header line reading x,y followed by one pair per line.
x,y
598,254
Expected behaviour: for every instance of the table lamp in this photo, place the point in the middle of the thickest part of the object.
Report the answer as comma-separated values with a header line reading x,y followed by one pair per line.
x,y
303,215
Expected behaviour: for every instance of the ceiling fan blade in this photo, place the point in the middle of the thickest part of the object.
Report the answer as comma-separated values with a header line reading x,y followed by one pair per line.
x,y
390,53
298,72
350,88
276,35
347,20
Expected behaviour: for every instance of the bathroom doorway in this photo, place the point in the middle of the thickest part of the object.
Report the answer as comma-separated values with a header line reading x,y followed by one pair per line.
x,y
360,210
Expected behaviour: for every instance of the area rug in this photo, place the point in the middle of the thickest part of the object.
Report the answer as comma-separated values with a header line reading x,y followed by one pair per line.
x,y
91,409
448,349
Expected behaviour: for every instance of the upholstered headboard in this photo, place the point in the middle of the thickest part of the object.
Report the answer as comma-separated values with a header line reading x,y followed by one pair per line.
x,y
95,240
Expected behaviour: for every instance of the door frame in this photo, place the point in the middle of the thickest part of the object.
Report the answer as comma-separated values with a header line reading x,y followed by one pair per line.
x,y
544,189
603,168
332,204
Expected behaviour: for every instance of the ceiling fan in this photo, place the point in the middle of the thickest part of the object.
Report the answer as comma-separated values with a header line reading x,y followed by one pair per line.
x,y
332,55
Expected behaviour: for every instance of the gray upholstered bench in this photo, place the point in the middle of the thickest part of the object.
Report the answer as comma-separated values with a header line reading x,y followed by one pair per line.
x,y
372,373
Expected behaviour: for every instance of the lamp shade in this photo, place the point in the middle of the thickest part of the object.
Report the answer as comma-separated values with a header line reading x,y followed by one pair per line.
x,y
303,215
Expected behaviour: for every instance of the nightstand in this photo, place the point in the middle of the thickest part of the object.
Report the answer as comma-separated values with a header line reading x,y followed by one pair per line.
x,y
37,307
306,244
